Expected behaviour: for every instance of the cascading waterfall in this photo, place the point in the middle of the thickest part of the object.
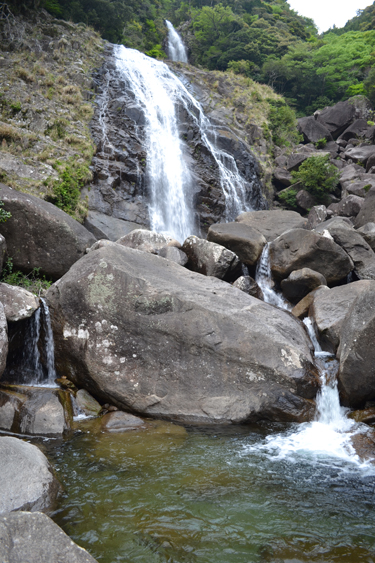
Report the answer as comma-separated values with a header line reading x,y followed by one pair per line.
x,y
160,92
263,278
176,47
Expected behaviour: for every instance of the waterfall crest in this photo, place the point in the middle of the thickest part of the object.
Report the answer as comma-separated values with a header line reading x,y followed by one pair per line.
x,y
176,47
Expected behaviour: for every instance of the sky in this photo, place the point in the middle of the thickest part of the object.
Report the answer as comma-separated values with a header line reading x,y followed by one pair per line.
x,y
326,13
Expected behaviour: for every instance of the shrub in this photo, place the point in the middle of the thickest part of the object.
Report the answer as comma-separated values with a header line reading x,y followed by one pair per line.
x,y
282,123
288,197
33,281
317,176
66,190
321,143
4,215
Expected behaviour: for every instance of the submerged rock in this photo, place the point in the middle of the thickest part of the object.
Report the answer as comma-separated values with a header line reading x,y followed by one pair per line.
x,y
40,235
151,337
35,538
147,241
120,422
27,481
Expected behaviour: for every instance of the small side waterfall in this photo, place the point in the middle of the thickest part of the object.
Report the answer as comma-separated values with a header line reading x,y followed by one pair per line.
x,y
263,278
36,363
176,47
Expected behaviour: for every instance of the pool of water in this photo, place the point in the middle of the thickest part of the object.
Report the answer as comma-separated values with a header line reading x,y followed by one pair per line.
x,y
212,495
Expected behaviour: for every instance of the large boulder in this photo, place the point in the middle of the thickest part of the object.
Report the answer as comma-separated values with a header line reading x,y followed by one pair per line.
x,y
18,303
301,282
147,241
272,223
358,250
35,538
242,239
40,235
357,129
226,355
360,153
368,233
338,117
317,214
367,213
312,130
357,352
350,206
27,481
104,226
299,248
329,309
211,259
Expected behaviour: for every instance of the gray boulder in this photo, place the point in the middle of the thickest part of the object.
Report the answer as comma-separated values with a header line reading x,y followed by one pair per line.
x,y
357,352
338,117
329,309
40,235
312,130
10,405
301,282
18,302
240,238
249,286
305,200
34,538
27,481
120,422
299,248
360,153
106,227
343,222
367,213
211,259
147,241
350,206
368,233
86,403
226,356
357,129
282,176
174,254
272,223
317,214
358,250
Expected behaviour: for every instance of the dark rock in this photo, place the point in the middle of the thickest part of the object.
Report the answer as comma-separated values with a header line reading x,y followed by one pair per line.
x,y
367,213
10,405
240,238
366,416
317,214
35,538
335,221
120,422
361,187
329,309
250,286
299,248
174,254
40,235
368,233
272,223
357,129
338,118
332,148
301,310
360,153
18,302
105,227
312,130
228,356
3,340
147,241
210,259
27,481
301,282
358,250
305,200
282,176
357,352
3,251
349,206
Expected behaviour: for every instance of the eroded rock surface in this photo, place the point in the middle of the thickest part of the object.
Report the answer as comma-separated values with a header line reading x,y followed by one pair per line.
x,y
242,239
230,357
18,302
272,223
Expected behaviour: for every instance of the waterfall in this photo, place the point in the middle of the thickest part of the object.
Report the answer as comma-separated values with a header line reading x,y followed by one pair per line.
x,y
160,95
176,47
263,278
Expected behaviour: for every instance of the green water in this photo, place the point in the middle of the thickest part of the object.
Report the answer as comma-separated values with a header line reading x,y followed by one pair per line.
x,y
170,494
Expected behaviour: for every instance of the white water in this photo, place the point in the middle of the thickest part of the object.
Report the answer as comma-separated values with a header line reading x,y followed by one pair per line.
x,y
40,326
176,47
159,92
263,278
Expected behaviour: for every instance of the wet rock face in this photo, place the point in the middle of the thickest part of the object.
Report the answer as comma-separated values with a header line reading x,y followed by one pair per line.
x,y
120,186
228,356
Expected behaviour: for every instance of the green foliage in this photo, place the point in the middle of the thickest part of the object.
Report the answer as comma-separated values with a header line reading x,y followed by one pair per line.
x,y
156,52
4,215
367,187
288,197
321,143
317,176
34,281
67,189
15,107
282,123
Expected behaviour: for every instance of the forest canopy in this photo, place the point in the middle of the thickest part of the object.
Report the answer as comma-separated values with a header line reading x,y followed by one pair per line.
x,y
262,39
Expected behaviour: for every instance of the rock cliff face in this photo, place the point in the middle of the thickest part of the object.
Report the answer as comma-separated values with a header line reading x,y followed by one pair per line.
x,y
120,187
